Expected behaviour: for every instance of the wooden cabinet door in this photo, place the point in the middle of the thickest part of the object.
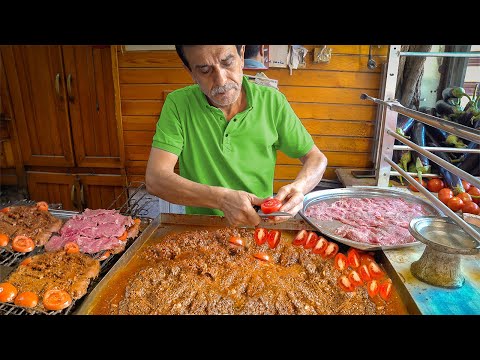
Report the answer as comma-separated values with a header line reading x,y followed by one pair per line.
x,y
54,188
102,191
91,97
35,77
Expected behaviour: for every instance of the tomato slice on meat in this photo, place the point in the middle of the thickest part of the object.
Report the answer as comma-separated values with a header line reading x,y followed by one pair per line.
x,y
311,241
8,292
385,289
124,236
353,259
4,239
355,278
375,271
331,250
71,247
26,299
372,288
5,210
236,240
366,258
262,256
345,283
22,243
27,261
300,238
364,273
260,236
340,262
104,256
42,206
273,238
321,245
55,299
271,205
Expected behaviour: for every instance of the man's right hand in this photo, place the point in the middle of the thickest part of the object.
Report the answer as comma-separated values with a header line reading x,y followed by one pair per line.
x,y
237,207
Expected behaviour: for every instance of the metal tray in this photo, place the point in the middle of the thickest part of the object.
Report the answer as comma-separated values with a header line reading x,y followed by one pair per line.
x,y
330,196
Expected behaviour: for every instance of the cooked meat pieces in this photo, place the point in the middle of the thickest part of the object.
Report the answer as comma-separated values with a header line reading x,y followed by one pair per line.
x,y
70,272
29,221
200,272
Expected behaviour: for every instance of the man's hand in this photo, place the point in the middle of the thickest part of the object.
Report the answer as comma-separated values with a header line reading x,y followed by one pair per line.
x,y
237,207
292,199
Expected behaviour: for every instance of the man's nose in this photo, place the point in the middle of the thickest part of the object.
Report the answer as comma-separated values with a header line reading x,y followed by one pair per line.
x,y
220,76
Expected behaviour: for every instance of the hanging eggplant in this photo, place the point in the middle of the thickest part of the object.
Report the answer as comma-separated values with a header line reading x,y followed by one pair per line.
x,y
422,163
404,124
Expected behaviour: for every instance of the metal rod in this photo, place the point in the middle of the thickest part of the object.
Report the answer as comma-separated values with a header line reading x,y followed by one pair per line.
x,y
461,131
440,54
445,164
462,223
439,148
395,173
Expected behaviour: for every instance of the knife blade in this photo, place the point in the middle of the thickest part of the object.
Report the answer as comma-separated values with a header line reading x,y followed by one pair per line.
x,y
275,213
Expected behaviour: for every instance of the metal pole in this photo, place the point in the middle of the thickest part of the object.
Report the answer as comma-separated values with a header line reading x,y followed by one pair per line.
x,y
442,149
440,54
462,223
445,164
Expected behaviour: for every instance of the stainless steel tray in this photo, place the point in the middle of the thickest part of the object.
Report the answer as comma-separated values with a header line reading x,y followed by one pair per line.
x,y
330,196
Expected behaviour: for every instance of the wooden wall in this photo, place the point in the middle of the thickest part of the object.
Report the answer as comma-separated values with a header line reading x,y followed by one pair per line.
x,y
326,97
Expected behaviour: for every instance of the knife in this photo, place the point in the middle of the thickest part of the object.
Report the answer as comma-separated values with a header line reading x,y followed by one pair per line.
x,y
275,213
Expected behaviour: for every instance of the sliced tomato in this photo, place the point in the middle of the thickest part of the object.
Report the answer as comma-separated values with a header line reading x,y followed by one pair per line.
x,y
273,238
22,243
56,299
353,259
364,273
311,241
331,250
104,256
26,299
372,288
71,247
271,205
260,236
300,238
375,271
340,262
8,292
385,289
236,240
321,245
366,258
124,236
355,278
42,206
5,210
345,283
262,256
27,261
4,239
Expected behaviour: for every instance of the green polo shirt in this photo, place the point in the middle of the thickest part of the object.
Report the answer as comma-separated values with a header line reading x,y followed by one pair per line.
x,y
239,154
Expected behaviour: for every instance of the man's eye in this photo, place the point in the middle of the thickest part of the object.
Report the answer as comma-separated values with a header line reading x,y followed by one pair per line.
x,y
204,70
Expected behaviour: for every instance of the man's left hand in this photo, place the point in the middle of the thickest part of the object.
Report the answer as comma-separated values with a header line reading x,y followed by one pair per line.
x,y
292,199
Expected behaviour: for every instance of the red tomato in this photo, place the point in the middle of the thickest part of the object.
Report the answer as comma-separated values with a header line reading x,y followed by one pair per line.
x,y
42,206
375,271
465,197
471,208
345,283
353,259
364,273
27,261
321,245
372,288
236,240
104,256
273,238
5,210
71,247
385,289
466,185
262,256
330,251
56,299
366,259
311,241
26,299
300,238
271,205
4,239
474,192
340,262
411,187
22,244
435,184
445,194
355,278
455,203
260,236
8,292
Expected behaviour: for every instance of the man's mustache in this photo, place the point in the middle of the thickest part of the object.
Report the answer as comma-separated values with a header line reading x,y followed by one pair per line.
x,y
223,89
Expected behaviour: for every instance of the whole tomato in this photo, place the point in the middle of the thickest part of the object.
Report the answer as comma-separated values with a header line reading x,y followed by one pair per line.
x,y
471,208
435,185
445,194
411,187
455,203
465,197
466,185
474,192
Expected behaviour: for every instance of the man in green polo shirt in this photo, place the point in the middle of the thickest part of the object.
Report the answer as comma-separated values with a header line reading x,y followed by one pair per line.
x,y
225,132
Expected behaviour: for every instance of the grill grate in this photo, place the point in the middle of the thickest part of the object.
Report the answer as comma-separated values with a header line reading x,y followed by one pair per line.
x,y
136,205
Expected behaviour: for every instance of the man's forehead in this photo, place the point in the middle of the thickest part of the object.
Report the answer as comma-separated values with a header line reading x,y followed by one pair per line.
x,y
208,52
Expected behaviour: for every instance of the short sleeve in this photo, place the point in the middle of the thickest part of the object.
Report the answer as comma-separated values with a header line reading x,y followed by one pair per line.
x,y
169,133
293,138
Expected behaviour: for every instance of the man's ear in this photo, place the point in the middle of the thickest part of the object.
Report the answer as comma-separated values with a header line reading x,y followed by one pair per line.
x,y
261,50
242,52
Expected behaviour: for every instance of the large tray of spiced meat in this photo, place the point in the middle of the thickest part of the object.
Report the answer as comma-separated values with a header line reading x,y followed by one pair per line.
x,y
366,217
50,259
198,265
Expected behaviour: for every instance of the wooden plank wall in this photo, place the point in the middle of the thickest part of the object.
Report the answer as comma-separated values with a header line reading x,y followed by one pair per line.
x,y
326,97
